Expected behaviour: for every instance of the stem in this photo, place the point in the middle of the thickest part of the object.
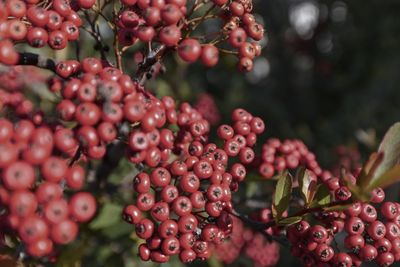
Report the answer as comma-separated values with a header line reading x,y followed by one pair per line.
x,y
261,227
212,16
76,156
95,32
255,225
117,52
200,20
229,52
152,57
320,208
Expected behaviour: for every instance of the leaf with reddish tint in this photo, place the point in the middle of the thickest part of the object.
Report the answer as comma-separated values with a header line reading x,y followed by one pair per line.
x,y
307,185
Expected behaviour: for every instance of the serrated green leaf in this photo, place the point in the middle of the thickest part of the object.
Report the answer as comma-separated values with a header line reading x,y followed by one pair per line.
x,y
289,220
322,197
109,214
282,195
307,185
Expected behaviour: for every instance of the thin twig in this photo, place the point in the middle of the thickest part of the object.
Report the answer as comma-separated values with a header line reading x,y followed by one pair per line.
x,y
95,32
202,18
117,52
229,52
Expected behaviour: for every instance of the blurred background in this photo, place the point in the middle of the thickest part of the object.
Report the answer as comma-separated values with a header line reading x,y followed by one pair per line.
x,y
329,74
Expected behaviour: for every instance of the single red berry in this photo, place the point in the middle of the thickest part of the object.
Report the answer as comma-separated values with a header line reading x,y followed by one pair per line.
x,y
144,228
64,232
82,206
189,50
132,214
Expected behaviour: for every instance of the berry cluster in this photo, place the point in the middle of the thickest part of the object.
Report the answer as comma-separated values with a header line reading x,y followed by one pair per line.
x,y
370,235
16,78
253,244
207,107
152,145
16,101
188,198
38,23
97,100
35,180
167,22
277,156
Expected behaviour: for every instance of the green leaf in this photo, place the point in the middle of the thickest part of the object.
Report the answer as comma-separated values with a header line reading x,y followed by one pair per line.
x,y
337,208
322,197
118,230
214,262
72,255
368,171
390,147
282,195
289,220
109,214
307,185
389,177
357,193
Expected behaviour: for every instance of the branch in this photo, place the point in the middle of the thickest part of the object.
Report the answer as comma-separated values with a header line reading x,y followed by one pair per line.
x,y
257,226
152,57
262,227
117,52
31,59
321,208
95,33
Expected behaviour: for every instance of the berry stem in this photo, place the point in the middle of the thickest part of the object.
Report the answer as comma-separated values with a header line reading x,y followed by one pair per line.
x,y
95,33
200,20
152,57
117,52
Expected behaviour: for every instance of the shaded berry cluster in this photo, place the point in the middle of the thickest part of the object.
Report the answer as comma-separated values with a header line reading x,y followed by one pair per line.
x,y
277,155
39,189
252,244
208,108
38,24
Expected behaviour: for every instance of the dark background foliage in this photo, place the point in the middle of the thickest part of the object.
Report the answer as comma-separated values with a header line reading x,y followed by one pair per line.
x,y
330,71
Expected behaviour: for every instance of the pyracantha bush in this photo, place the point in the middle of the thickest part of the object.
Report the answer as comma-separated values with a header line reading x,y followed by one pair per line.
x,y
57,129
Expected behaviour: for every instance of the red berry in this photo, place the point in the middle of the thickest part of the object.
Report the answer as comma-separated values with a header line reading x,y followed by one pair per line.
x,y
189,50
82,206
